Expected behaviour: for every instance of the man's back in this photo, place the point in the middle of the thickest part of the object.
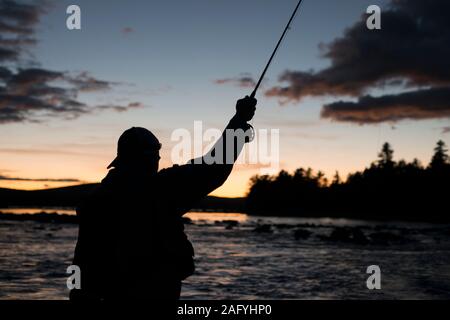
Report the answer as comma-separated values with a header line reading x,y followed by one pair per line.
x,y
131,238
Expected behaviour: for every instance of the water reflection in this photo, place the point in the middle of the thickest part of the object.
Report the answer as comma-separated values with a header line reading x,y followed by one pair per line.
x,y
38,210
216,216
236,261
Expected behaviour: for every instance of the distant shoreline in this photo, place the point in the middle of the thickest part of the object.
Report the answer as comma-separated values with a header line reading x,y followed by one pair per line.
x,y
72,196
52,216
50,200
39,217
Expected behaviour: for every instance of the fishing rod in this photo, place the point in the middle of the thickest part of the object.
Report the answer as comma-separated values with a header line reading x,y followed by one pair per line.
x,y
275,50
253,94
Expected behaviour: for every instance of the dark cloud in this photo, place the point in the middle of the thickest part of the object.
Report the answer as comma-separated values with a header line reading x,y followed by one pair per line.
x,y
411,51
418,104
24,80
17,22
7,178
20,18
5,73
243,81
34,94
17,41
8,54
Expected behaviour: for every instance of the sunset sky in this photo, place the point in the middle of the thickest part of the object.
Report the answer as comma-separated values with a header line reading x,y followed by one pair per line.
x,y
66,96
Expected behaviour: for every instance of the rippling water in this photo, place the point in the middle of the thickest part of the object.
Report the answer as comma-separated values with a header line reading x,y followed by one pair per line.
x,y
236,262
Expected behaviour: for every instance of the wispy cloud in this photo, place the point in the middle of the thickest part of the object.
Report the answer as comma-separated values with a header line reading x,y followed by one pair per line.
x,y
245,80
127,30
55,151
119,108
8,178
84,82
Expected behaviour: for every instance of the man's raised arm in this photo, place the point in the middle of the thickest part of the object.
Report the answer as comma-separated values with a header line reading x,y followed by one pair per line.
x,y
227,149
202,175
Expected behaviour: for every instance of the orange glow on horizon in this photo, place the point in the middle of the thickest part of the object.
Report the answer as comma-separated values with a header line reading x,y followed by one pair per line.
x,y
237,184
36,185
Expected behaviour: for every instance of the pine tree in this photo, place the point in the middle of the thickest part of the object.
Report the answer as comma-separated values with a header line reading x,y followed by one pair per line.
x,y
440,156
336,179
386,156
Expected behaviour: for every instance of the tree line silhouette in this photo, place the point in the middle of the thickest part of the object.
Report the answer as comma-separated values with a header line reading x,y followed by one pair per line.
x,y
385,190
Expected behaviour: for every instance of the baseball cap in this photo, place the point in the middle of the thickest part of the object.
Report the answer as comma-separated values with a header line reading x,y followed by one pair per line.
x,y
134,143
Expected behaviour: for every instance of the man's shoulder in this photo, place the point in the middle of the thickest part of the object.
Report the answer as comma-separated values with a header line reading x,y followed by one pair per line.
x,y
102,193
176,168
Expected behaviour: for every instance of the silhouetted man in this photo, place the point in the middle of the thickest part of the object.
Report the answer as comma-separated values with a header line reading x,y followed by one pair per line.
x,y
131,241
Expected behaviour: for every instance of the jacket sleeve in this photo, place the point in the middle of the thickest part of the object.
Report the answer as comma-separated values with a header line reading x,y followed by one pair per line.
x,y
191,182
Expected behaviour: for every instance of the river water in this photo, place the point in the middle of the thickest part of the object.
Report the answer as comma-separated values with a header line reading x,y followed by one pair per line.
x,y
243,257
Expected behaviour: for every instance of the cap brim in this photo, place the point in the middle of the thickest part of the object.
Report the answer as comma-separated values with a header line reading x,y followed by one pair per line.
x,y
113,163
